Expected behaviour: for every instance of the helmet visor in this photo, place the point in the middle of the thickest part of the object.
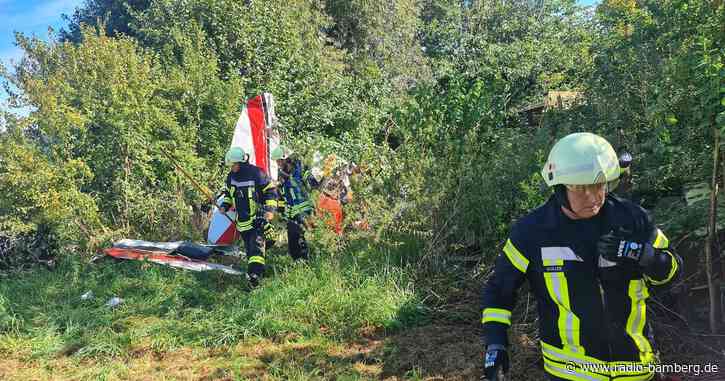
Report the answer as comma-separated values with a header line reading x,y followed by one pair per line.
x,y
607,186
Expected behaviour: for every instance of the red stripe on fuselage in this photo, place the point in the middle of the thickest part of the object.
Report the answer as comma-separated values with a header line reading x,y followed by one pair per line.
x,y
256,121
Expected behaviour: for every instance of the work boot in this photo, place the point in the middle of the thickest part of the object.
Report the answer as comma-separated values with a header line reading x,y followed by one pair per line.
x,y
253,280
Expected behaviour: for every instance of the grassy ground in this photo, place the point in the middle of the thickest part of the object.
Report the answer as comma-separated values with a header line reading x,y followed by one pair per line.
x,y
360,313
307,320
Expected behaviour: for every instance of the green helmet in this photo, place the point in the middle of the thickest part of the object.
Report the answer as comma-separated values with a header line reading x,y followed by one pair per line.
x,y
281,152
235,155
581,159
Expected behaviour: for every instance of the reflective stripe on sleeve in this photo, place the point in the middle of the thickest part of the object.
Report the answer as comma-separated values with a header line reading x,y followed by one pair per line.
x,y
638,295
670,275
515,257
256,259
661,242
499,315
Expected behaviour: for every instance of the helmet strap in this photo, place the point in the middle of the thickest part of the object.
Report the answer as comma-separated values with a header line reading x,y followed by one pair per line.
x,y
561,197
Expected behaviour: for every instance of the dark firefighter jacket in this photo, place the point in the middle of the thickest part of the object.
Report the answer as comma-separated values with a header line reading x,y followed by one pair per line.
x,y
591,311
294,196
250,192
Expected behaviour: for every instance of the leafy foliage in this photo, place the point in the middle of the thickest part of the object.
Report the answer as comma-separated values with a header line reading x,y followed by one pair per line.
x,y
427,96
658,71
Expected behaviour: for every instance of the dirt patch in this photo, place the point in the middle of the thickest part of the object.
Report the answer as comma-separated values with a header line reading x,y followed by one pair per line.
x,y
697,355
433,352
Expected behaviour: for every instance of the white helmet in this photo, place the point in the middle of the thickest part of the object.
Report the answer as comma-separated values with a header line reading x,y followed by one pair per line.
x,y
580,159
282,153
235,155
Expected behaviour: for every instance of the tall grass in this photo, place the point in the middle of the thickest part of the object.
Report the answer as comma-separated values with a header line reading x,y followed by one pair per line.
x,y
340,297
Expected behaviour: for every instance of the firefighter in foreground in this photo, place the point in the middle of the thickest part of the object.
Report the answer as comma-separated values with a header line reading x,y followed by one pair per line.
x,y
254,197
294,202
591,260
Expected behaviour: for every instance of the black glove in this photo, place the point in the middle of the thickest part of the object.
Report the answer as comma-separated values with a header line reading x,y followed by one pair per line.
x,y
616,248
496,359
269,233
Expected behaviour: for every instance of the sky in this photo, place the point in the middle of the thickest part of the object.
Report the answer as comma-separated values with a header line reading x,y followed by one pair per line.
x,y
33,17
30,17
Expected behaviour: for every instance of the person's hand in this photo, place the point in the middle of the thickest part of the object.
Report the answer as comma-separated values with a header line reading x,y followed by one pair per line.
x,y
496,360
614,247
268,216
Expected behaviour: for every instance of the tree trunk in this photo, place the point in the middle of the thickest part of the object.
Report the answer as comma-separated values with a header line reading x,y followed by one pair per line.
x,y
713,282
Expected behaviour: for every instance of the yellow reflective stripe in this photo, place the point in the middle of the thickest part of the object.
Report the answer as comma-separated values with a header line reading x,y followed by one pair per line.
x,y
231,199
244,225
586,367
299,208
569,373
256,259
661,242
268,187
514,255
271,203
496,314
632,371
670,275
570,365
303,206
252,204
638,295
568,323
553,262
564,356
637,377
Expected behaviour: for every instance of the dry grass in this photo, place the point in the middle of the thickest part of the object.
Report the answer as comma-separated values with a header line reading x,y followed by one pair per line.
x,y
263,360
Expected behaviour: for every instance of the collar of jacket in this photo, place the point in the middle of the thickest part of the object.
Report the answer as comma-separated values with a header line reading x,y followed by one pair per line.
x,y
554,217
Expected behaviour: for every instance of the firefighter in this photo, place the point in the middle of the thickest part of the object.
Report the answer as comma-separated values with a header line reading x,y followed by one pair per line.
x,y
294,201
336,193
254,197
591,260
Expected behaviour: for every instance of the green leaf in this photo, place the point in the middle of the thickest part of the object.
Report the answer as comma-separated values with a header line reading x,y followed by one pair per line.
x,y
671,120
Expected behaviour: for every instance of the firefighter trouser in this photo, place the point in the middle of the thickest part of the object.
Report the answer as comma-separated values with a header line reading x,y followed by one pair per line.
x,y
296,238
254,247
554,378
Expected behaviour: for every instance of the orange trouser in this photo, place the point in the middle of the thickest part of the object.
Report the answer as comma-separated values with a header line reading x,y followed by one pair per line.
x,y
327,204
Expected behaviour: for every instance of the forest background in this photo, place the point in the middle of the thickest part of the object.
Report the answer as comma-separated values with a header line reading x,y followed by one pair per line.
x,y
450,106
